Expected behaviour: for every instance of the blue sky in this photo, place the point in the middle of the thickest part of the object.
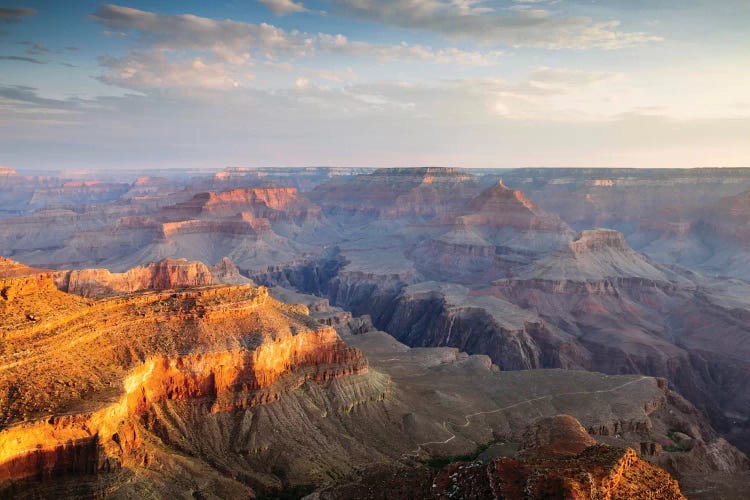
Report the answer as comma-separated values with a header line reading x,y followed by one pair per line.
x,y
495,83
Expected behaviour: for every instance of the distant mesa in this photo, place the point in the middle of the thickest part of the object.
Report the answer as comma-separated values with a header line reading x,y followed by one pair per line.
x,y
595,254
500,206
426,175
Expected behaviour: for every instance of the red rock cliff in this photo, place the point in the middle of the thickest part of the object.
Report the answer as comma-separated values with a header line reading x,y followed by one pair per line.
x,y
77,380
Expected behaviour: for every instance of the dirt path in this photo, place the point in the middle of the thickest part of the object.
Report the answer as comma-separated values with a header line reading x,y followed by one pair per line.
x,y
469,416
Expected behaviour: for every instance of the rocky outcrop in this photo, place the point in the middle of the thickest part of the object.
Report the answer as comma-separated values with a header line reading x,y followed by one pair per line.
x,y
10,268
499,206
247,225
597,472
558,435
224,390
490,237
682,216
267,203
596,255
558,459
162,275
242,224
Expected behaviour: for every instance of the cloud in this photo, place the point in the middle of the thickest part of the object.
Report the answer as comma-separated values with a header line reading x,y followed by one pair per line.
x,y
21,59
14,15
229,40
168,46
33,48
565,77
386,124
153,70
235,42
283,7
342,45
519,27
20,104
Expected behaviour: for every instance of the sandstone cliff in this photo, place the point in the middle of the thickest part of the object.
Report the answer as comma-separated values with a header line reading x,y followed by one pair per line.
x,y
67,406
162,275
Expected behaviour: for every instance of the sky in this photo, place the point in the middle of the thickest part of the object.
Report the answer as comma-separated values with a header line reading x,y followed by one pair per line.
x,y
468,83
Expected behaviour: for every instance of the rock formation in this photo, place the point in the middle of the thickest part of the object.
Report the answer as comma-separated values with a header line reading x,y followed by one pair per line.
x,y
686,216
551,447
162,275
397,193
445,260
558,459
499,206
490,237
71,407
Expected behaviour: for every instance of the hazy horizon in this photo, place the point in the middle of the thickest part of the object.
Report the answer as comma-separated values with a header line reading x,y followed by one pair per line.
x,y
390,83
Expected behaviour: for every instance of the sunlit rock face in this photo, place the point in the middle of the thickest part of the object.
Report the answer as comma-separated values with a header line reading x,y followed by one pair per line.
x,y
80,379
165,274
267,203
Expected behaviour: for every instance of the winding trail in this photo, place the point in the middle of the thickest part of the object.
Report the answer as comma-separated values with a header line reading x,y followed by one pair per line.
x,y
469,416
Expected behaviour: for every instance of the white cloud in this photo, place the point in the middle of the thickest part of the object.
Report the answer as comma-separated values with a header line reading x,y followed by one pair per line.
x,y
229,40
283,7
153,70
342,45
522,26
480,122
190,51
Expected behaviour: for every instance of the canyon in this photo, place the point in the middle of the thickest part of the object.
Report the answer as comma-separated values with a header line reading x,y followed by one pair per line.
x,y
337,331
